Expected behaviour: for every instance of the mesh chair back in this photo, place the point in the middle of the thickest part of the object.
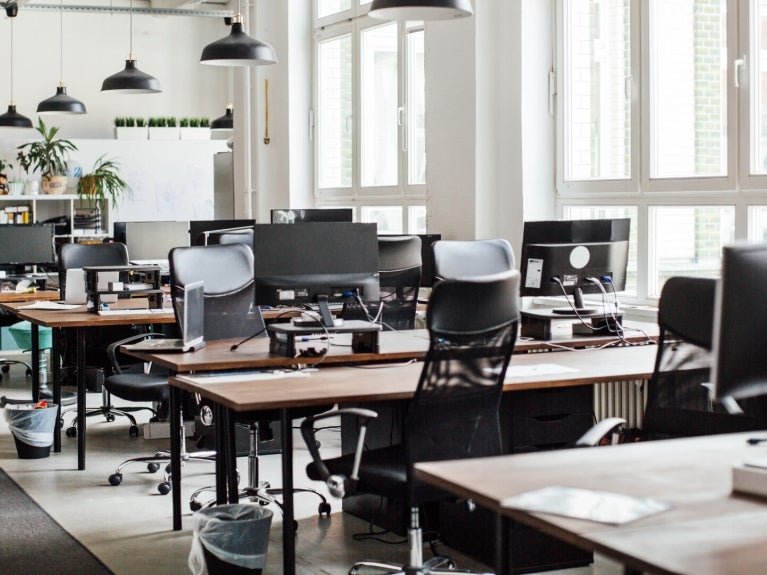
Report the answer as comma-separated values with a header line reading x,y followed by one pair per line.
x,y
456,259
227,275
73,256
678,403
399,264
455,411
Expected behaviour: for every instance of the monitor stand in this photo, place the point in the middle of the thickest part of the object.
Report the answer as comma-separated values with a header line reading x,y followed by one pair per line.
x,y
578,308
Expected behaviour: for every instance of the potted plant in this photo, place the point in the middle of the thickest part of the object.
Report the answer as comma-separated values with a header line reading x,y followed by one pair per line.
x,y
129,129
48,156
3,176
163,128
192,129
103,183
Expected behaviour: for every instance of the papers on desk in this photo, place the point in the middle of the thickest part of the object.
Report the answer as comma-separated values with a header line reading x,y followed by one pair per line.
x,y
600,506
237,377
536,369
49,305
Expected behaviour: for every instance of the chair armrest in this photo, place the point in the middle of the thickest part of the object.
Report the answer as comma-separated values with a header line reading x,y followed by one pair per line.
x,y
114,347
592,437
337,484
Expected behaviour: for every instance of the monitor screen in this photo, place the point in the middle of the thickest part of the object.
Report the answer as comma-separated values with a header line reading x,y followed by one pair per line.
x,y
27,244
561,257
206,232
740,323
290,216
315,263
153,240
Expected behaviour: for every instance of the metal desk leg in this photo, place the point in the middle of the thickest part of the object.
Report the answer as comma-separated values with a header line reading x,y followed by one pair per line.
x,y
222,471
502,559
56,360
288,530
80,339
35,363
175,454
230,456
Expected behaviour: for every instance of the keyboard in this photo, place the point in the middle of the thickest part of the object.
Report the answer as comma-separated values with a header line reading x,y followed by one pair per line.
x,y
134,311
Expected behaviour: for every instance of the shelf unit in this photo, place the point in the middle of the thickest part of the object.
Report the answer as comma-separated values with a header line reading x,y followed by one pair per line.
x,y
43,207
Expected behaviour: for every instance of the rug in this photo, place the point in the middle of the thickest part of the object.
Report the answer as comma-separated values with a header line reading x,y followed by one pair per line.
x,y
32,542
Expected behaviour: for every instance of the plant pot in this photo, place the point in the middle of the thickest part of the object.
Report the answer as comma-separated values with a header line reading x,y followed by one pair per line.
x,y
194,133
163,133
131,133
16,187
54,185
3,185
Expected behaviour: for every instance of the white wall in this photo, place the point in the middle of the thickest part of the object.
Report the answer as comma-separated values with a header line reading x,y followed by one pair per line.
x,y
96,45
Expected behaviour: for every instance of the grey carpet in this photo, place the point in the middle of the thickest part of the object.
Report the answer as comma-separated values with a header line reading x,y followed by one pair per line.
x,y
31,542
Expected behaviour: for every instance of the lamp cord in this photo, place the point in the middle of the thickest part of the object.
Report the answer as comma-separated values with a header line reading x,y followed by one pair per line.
x,y
130,54
11,78
61,42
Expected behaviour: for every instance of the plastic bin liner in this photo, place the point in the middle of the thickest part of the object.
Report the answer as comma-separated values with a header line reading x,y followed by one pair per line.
x,y
237,534
32,426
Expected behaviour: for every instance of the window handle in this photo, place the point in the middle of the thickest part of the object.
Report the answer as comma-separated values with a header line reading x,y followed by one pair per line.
x,y
737,65
402,124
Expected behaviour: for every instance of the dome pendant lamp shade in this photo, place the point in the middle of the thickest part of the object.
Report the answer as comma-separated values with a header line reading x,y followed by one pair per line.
x,y
420,9
131,80
238,49
12,119
61,103
225,122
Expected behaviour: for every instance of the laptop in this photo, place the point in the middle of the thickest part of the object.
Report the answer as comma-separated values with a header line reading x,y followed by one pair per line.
x,y
192,323
74,292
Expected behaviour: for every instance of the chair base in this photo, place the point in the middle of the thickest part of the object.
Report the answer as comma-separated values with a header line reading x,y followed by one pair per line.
x,y
439,565
153,464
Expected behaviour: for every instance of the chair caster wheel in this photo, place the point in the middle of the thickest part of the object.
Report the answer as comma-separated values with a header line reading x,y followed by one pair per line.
x,y
6,368
324,508
71,432
109,417
195,505
164,488
167,469
29,373
152,467
133,431
115,479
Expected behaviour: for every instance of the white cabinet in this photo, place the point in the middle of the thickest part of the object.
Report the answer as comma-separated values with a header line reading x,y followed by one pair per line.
x,y
47,207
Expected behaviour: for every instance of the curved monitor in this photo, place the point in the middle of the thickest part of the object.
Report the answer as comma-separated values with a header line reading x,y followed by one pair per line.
x,y
563,257
740,323
318,263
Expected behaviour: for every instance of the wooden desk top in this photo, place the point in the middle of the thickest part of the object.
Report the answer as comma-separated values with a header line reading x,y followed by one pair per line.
x,y
79,317
39,295
708,531
392,382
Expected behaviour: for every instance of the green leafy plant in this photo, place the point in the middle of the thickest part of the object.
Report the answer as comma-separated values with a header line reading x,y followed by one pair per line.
x,y
140,123
153,123
204,122
4,165
130,122
194,122
171,122
102,183
49,156
184,123
120,122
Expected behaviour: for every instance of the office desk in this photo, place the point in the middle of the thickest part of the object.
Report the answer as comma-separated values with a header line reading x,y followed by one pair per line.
x,y
708,531
355,384
78,320
39,295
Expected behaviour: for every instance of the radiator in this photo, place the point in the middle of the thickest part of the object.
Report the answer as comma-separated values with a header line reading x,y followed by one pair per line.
x,y
624,399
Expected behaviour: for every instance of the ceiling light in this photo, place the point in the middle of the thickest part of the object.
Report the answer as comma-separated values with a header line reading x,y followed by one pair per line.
x,y
420,9
131,80
225,122
238,49
12,119
61,103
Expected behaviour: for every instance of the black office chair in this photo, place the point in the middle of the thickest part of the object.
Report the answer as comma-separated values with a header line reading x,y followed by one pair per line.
x,y
399,265
242,237
71,256
226,271
469,258
454,413
678,395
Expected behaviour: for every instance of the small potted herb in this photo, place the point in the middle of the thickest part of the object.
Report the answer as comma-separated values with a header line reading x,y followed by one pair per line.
x,y
49,157
103,183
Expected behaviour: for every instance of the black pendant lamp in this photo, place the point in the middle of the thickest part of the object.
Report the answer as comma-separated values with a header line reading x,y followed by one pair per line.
x,y
238,49
420,9
12,119
61,103
225,122
131,80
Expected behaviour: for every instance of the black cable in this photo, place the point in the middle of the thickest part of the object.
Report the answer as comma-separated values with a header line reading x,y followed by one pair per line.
x,y
247,339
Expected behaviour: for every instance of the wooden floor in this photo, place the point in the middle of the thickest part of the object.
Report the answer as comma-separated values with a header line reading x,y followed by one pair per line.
x,y
129,526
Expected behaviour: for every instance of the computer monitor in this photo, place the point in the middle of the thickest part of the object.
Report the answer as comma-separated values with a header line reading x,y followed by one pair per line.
x,y
318,263
151,241
292,216
26,245
207,232
740,323
573,257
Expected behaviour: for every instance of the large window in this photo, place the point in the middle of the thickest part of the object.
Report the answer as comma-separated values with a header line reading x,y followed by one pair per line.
x,y
662,115
370,116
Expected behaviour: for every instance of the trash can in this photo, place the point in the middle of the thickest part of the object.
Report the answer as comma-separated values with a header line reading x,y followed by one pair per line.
x,y
32,427
230,540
